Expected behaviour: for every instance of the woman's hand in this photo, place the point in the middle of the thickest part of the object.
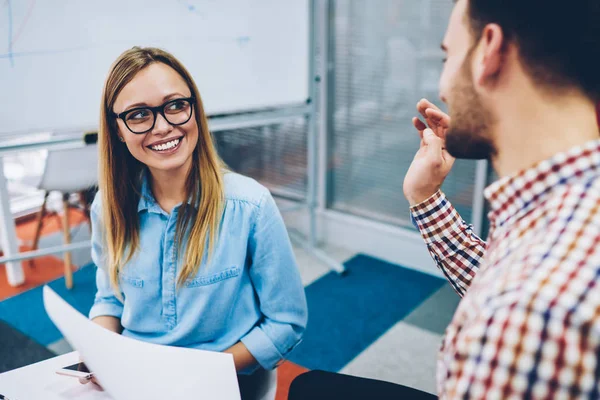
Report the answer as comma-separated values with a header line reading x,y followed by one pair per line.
x,y
112,324
90,378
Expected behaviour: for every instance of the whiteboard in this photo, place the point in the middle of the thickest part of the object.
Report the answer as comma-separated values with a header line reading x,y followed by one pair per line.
x,y
55,54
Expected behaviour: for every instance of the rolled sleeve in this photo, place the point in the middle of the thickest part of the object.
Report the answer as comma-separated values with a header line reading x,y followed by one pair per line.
x,y
262,348
105,301
276,280
106,309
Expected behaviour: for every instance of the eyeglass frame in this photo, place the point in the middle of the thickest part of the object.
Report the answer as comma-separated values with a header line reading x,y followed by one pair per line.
x,y
158,109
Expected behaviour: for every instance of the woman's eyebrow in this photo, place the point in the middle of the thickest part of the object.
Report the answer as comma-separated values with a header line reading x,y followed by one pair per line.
x,y
143,104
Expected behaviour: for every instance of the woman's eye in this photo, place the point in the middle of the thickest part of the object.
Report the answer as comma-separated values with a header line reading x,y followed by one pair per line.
x,y
140,114
176,105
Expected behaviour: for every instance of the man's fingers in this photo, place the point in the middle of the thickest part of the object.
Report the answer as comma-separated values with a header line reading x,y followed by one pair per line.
x,y
438,116
419,125
425,104
433,142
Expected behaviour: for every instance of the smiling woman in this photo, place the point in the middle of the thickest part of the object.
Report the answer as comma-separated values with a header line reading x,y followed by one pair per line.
x,y
153,113
188,254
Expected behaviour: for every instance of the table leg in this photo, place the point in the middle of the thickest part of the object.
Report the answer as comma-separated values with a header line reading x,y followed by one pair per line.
x,y
8,234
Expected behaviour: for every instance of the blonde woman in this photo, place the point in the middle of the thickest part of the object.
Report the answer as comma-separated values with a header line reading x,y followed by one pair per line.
x,y
188,254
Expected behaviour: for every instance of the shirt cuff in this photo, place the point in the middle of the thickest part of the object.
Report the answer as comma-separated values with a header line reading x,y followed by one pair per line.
x,y
107,310
262,348
436,218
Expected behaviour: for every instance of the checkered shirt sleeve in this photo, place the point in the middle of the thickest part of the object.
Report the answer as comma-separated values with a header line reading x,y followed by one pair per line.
x,y
451,242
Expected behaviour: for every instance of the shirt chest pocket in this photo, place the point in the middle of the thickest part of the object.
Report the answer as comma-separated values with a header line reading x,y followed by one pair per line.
x,y
140,278
213,278
143,271
131,281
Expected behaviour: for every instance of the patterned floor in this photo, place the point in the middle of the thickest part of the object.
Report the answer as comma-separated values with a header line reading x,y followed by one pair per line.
x,y
379,321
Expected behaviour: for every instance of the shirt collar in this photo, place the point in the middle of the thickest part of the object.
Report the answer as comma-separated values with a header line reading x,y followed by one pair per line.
x,y
147,200
512,196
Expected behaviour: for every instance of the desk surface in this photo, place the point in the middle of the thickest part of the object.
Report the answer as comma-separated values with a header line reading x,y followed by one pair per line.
x,y
40,381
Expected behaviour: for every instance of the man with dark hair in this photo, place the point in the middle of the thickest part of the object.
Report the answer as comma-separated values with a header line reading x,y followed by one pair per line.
x,y
521,83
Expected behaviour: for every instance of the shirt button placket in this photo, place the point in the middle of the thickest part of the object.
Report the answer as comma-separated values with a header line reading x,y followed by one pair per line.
x,y
170,272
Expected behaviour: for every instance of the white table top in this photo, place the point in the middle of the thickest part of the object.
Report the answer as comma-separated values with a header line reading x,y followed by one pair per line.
x,y
40,381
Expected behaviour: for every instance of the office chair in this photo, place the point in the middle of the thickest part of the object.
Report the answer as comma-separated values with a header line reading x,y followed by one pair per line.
x,y
69,171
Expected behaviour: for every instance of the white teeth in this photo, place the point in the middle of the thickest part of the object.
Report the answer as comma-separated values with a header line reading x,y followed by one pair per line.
x,y
166,146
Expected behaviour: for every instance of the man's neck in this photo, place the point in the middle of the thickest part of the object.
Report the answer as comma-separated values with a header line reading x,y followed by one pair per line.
x,y
532,131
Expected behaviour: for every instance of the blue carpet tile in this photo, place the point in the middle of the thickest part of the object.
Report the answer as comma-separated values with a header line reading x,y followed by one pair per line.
x,y
348,313
26,313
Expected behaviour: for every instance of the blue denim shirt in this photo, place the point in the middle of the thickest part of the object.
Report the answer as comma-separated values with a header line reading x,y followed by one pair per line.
x,y
250,291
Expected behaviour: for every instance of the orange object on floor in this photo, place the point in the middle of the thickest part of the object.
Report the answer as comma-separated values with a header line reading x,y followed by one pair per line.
x,y
286,373
52,224
43,269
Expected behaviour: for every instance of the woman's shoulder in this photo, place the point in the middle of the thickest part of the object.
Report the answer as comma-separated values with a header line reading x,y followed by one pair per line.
x,y
96,206
242,188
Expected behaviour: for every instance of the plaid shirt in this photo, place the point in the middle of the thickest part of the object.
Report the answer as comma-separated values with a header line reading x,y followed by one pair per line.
x,y
528,325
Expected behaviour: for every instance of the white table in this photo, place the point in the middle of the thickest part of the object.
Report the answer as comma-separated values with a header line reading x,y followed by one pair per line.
x,y
40,381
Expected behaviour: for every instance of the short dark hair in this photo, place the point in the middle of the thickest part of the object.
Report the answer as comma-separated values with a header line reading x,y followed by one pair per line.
x,y
558,41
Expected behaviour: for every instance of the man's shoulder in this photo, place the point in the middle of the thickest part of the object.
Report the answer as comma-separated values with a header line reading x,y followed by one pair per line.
x,y
581,196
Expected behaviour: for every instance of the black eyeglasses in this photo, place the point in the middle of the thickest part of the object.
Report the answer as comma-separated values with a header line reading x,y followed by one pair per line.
x,y
142,119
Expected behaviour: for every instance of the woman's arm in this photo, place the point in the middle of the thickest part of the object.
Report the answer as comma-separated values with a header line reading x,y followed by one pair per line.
x,y
276,280
111,323
242,357
107,308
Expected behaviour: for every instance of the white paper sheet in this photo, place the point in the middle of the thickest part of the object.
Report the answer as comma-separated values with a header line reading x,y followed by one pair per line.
x,y
40,381
130,369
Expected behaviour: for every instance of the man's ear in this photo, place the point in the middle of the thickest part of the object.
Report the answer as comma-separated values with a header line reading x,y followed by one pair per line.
x,y
489,57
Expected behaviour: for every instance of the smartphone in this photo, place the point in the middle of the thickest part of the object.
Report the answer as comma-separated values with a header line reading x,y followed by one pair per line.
x,y
79,370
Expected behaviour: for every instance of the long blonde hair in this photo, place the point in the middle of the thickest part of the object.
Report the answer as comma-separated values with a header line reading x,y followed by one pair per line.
x,y
121,174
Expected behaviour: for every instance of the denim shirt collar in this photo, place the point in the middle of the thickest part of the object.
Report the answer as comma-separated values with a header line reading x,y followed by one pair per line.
x,y
147,200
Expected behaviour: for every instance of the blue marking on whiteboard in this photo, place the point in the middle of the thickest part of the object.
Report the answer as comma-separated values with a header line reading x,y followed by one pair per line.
x,y
190,7
10,23
243,40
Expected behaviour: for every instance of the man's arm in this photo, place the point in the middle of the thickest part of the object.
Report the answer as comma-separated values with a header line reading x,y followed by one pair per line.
x,y
450,241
